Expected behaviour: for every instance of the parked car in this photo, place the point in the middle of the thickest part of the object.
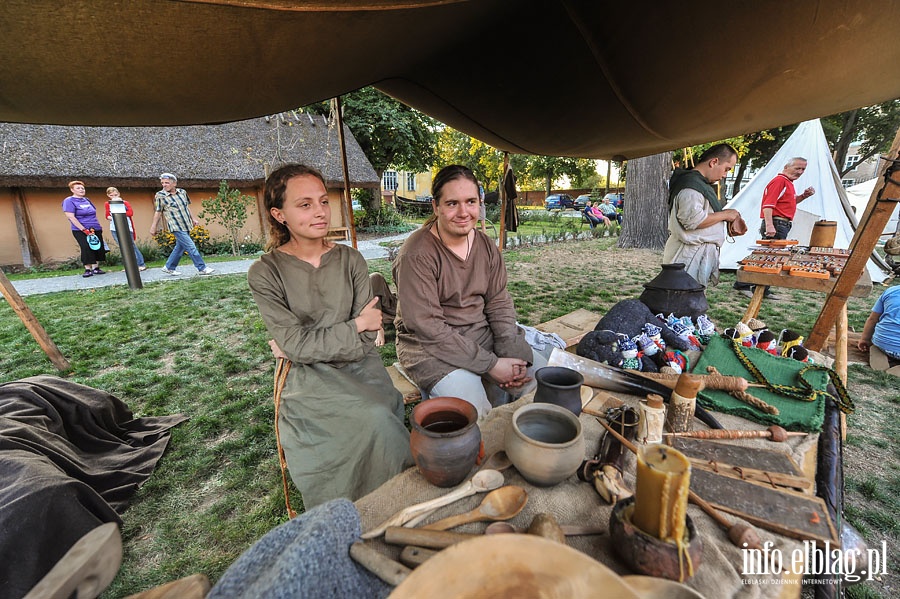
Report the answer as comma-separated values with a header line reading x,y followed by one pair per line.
x,y
559,201
581,201
616,199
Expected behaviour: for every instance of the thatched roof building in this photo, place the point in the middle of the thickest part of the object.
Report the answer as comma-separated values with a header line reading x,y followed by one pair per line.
x,y
199,155
37,162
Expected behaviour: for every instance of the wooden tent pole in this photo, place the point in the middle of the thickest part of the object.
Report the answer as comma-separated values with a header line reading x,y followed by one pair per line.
x,y
347,206
876,216
31,323
503,200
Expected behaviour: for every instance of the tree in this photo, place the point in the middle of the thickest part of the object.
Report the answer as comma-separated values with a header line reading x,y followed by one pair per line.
x,y
544,170
390,133
874,125
645,222
587,175
230,209
759,148
455,147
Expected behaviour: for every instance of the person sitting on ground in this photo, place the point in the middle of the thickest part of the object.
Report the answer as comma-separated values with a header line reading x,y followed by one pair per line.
x,y
341,419
456,323
881,333
593,217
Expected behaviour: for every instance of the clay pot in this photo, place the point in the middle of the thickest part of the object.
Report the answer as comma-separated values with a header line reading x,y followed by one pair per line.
x,y
674,290
445,439
560,386
545,443
645,553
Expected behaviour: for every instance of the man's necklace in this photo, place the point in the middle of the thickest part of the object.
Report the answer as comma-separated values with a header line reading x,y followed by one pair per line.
x,y
468,242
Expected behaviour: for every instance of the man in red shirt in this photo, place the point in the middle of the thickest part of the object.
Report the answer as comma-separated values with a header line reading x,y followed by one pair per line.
x,y
779,205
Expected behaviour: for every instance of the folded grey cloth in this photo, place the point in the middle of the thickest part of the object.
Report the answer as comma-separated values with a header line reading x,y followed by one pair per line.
x,y
539,340
307,557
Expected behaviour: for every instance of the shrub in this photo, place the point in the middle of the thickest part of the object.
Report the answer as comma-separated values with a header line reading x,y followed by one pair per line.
x,y
230,209
199,234
384,220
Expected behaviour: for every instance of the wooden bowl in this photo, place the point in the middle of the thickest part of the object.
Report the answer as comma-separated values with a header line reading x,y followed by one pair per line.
x,y
520,566
646,554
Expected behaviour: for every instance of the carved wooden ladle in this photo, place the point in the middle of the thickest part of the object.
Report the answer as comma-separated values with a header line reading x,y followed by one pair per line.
x,y
485,480
501,504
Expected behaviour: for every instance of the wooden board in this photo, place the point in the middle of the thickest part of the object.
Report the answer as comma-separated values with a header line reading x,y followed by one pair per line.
x,y
861,288
764,477
770,460
410,392
572,326
791,514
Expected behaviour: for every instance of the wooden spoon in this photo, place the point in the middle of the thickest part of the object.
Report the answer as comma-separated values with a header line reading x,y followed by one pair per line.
x,y
485,480
498,461
570,530
500,504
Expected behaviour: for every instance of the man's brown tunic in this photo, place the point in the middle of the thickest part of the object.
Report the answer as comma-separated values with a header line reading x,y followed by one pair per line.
x,y
453,313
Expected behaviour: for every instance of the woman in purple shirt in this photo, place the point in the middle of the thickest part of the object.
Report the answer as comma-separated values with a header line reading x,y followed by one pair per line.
x,y
86,229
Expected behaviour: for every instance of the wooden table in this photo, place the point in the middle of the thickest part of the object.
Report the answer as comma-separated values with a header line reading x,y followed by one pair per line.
x,y
862,288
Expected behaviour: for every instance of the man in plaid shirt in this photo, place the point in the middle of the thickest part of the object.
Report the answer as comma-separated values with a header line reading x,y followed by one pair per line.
x,y
173,202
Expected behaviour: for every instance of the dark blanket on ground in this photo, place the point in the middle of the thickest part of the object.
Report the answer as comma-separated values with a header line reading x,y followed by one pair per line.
x,y
70,458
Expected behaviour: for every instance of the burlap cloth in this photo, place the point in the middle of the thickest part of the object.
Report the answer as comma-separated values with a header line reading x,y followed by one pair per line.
x,y
576,502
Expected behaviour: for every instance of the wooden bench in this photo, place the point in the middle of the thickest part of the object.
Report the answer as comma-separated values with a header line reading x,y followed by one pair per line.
x,y
338,234
585,221
571,327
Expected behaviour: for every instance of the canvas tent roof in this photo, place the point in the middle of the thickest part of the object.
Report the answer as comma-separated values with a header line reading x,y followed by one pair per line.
x,y
829,202
613,78
859,195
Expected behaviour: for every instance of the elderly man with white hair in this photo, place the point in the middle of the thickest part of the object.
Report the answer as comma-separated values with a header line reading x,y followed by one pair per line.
x,y
779,205
173,202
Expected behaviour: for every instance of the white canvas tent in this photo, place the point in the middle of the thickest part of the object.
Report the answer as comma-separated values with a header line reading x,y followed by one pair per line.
x,y
859,198
829,202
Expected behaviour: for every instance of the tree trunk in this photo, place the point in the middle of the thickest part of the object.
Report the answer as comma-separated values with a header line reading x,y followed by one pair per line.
x,y
645,222
375,200
548,183
739,176
843,142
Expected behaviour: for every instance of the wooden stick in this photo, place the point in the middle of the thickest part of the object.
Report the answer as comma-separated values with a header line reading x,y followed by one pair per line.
x,y
32,324
413,556
431,539
740,534
775,433
756,402
381,566
719,382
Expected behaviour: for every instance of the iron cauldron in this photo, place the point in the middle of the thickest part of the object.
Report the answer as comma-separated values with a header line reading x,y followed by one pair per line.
x,y
675,291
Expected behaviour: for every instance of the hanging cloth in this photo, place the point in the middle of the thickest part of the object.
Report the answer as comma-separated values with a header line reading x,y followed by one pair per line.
x,y
512,214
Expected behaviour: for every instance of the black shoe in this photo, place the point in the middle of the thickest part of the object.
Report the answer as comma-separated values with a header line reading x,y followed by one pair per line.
x,y
97,271
88,273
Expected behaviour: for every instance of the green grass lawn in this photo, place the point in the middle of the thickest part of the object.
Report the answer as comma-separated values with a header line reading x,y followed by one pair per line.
x,y
198,347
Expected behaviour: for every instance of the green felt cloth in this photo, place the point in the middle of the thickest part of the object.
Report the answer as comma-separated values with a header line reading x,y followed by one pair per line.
x,y
795,415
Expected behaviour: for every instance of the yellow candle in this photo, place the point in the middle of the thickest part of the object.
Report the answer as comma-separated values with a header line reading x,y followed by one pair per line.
x,y
661,493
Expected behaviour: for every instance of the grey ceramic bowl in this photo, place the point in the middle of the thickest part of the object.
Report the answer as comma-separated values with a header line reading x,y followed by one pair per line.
x,y
545,443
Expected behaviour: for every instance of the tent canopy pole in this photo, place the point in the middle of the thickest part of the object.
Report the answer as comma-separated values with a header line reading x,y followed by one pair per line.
x,y
872,223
